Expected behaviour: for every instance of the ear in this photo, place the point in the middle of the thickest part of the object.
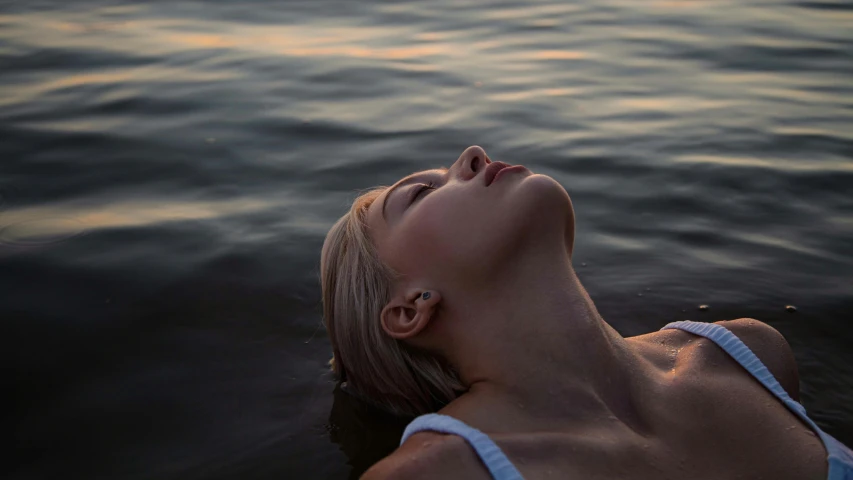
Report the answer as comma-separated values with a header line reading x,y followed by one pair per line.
x,y
407,314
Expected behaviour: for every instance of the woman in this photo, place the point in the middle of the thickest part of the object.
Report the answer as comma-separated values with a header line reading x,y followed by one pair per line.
x,y
453,291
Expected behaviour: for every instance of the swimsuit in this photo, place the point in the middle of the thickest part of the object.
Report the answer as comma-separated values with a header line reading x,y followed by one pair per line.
x,y
839,457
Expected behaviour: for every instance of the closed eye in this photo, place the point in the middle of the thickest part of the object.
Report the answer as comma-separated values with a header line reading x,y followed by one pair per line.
x,y
424,188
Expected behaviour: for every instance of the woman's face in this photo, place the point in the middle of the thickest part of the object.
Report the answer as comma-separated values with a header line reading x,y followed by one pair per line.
x,y
448,225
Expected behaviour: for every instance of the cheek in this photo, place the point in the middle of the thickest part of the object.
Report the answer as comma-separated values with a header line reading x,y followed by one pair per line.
x,y
428,232
451,232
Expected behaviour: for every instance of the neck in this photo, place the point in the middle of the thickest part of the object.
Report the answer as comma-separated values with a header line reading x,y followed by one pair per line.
x,y
538,342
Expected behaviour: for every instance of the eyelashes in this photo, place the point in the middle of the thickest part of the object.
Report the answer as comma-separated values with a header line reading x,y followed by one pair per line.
x,y
424,188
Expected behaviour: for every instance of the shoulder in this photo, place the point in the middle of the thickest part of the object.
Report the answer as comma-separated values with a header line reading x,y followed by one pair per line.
x,y
771,348
427,456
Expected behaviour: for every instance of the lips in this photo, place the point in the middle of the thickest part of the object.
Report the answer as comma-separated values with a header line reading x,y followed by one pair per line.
x,y
493,170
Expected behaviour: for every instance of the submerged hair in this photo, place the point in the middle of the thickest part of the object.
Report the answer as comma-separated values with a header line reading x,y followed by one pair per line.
x,y
356,287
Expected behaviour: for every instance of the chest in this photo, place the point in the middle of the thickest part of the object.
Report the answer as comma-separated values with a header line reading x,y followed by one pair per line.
x,y
713,420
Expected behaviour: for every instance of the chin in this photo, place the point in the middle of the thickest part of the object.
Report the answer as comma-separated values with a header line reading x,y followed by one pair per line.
x,y
543,206
544,192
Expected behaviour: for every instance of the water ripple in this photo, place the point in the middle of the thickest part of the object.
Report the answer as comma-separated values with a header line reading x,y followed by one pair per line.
x,y
169,171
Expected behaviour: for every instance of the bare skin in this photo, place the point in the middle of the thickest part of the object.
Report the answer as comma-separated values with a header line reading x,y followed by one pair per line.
x,y
559,390
710,419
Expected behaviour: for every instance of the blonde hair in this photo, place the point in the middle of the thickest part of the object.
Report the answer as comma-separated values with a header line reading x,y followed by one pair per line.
x,y
356,287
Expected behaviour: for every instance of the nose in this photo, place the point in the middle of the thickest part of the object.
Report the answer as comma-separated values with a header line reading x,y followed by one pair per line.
x,y
472,161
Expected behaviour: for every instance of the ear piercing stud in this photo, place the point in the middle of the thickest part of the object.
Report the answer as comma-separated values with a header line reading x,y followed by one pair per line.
x,y
425,296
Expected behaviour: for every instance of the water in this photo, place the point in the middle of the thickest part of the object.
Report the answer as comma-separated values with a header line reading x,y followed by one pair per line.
x,y
169,171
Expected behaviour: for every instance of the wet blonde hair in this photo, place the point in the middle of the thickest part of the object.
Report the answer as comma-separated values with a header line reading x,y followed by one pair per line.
x,y
356,287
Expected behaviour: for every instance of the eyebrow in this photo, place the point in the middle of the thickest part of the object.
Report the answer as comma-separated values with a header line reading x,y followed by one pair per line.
x,y
407,181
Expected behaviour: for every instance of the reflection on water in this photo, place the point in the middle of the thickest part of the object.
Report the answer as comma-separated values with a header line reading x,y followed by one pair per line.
x,y
40,231
133,214
50,224
169,171
840,166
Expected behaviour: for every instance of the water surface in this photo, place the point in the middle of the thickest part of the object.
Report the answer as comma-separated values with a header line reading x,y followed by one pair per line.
x,y
169,171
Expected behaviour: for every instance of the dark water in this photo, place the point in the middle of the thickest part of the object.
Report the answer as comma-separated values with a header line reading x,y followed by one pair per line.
x,y
168,172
